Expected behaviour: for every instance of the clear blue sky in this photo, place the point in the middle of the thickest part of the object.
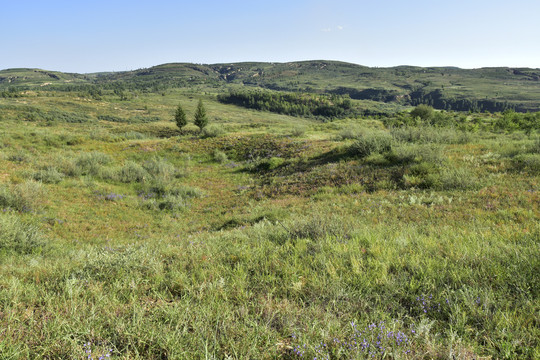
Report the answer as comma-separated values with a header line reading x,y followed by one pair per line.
x,y
97,35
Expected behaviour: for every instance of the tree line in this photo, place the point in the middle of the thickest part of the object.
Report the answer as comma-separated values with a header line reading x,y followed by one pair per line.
x,y
295,104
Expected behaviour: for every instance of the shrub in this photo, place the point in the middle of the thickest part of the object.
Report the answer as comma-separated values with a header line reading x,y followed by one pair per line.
x,y
371,143
132,172
18,236
416,153
23,197
350,133
220,156
91,163
20,156
422,175
457,179
133,135
527,162
162,169
298,131
212,131
48,175
424,112
162,197
535,147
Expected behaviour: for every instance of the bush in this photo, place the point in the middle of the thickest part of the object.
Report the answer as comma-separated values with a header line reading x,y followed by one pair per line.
x,y
371,143
25,197
162,197
133,135
220,156
212,131
298,131
132,172
162,169
91,163
48,175
535,147
527,162
18,236
416,153
423,175
457,179
20,156
350,133
422,111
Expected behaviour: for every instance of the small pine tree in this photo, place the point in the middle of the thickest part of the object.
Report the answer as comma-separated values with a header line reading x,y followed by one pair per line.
x,y
180,117
200,116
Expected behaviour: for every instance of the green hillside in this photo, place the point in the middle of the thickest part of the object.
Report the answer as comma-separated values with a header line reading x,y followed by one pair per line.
x,y
448,88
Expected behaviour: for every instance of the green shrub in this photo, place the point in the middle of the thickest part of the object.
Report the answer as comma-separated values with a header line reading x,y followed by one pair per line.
x,y
19,157
298,131
220,156
18,236
457,179
161,168
527,162
25,197
132,172
535,147
371,143
48,175
133,135
159,196
91,163
405,154
212,130
350,133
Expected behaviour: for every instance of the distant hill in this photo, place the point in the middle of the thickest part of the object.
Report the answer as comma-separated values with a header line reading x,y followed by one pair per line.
x,y
451,88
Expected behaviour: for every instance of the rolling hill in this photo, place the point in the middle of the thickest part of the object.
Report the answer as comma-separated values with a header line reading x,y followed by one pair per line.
x,y
450,88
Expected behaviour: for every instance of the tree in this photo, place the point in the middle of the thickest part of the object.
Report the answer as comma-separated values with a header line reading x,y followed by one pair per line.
x,y
200,116
422,111
180,117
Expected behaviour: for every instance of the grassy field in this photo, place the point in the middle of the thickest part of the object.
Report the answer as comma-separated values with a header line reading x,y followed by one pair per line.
x,y
271,237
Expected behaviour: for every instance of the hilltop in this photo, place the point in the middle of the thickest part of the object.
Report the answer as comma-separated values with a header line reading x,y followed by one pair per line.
x,y
449,88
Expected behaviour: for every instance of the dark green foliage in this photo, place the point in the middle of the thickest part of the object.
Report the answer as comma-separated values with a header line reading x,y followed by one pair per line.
x,y
326,106
180,117
511,121
201,120
424,112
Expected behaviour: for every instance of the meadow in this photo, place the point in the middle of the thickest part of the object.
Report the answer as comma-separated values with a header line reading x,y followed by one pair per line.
x,y
268,236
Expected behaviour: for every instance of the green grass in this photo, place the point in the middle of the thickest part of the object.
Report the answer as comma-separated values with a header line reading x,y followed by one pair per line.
x,y
262,241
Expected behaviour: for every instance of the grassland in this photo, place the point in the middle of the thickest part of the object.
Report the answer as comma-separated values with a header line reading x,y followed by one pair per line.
x,y
274,237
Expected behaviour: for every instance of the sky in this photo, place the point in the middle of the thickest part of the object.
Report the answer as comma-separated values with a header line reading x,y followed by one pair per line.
x,y
93,36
